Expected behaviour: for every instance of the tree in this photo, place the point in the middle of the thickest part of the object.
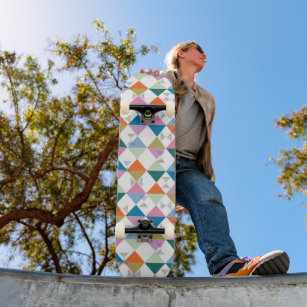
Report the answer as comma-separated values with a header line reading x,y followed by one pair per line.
x,y
293,162
58,155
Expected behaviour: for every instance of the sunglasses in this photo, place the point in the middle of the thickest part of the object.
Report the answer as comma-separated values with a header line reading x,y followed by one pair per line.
x,y
200,49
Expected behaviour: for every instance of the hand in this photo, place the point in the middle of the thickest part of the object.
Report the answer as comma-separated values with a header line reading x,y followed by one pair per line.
x,y
149,71
179,209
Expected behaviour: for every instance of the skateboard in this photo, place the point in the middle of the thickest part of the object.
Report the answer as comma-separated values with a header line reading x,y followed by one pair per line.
x,y
145,213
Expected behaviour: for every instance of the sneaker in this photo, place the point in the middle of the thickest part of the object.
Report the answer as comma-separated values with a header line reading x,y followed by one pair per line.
x,y
276,262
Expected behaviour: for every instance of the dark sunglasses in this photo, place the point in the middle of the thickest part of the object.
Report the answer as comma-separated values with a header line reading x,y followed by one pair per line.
x,y
200,49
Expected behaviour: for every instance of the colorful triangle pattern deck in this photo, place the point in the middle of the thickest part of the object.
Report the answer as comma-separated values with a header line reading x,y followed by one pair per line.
x,y
146,178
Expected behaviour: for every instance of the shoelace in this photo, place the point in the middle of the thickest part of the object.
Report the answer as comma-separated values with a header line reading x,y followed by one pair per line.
x,y
247,260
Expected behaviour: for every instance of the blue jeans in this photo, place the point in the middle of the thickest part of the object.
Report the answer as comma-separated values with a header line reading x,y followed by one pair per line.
x,y
203,200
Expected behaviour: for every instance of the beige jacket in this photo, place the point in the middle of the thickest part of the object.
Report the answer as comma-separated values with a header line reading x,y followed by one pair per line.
x,y
206,100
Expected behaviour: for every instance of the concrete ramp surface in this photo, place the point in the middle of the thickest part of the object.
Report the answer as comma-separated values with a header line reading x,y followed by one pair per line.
x,y
22,288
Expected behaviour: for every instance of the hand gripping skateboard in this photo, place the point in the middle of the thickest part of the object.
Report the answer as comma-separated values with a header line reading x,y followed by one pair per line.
x,y
145,216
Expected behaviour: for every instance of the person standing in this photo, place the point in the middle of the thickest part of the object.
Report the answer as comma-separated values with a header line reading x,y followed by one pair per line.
x,y
195,180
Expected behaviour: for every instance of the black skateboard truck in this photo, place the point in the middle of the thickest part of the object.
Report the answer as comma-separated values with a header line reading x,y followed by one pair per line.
x,y
145,230
148,112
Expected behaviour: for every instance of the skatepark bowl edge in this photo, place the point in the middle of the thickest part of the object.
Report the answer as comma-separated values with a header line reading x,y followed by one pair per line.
x,y
24,288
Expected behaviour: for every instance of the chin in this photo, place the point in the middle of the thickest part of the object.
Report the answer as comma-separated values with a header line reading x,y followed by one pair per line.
x,y
199,68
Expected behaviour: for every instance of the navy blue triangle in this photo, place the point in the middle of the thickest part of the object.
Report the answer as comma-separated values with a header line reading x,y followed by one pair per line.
x,y
156,129
135,211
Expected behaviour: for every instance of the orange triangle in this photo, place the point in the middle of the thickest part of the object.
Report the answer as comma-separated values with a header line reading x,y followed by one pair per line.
x,y
157,101
156,189
171,219
138,85
119,212
134,257
137,166
172,129
122,122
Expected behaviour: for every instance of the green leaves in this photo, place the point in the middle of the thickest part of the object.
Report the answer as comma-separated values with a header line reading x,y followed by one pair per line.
x,y
58,156
293,162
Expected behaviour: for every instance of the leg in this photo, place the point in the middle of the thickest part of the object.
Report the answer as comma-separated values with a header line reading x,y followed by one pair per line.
x,y
202,199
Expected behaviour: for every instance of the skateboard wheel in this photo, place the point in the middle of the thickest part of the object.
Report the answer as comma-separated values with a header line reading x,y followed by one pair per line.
x,y
170,108
169,232
120,231
124,107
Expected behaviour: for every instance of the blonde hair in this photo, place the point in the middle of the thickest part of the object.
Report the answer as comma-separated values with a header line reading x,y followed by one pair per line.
x,y
171,58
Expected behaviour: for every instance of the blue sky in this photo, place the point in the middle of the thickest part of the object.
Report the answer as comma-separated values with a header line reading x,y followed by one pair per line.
x,y
256,66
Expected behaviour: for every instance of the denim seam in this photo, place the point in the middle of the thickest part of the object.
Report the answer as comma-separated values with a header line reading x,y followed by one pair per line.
x,y
196,222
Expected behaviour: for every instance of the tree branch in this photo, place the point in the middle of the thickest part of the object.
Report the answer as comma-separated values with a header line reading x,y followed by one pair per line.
x,y
51,249
58,218
89,243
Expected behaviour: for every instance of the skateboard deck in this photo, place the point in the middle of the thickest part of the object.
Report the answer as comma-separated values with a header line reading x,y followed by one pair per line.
x,y
145,211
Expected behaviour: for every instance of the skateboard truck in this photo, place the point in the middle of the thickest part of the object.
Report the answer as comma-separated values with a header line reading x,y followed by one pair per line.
x,y
148,112
145,230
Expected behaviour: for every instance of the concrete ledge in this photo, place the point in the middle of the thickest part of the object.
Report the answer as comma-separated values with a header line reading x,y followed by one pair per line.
x,y
22,288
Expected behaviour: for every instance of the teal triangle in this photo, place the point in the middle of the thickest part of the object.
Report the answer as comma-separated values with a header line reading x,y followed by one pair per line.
x,y
155,267
171,151
120,195
157,91
135,121
125,86
135,211
171,243
171,90
121,143
172,175
156,129
121,167
156,219
118,259
169,265
137,143
156,175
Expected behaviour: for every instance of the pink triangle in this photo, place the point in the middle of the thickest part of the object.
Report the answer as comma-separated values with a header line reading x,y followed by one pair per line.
x,y
159,77
133,220
137,128
157,152
156,212
171,190
136,189
138,100
118,241
159,121
155,244
171,145
120,173
121,150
